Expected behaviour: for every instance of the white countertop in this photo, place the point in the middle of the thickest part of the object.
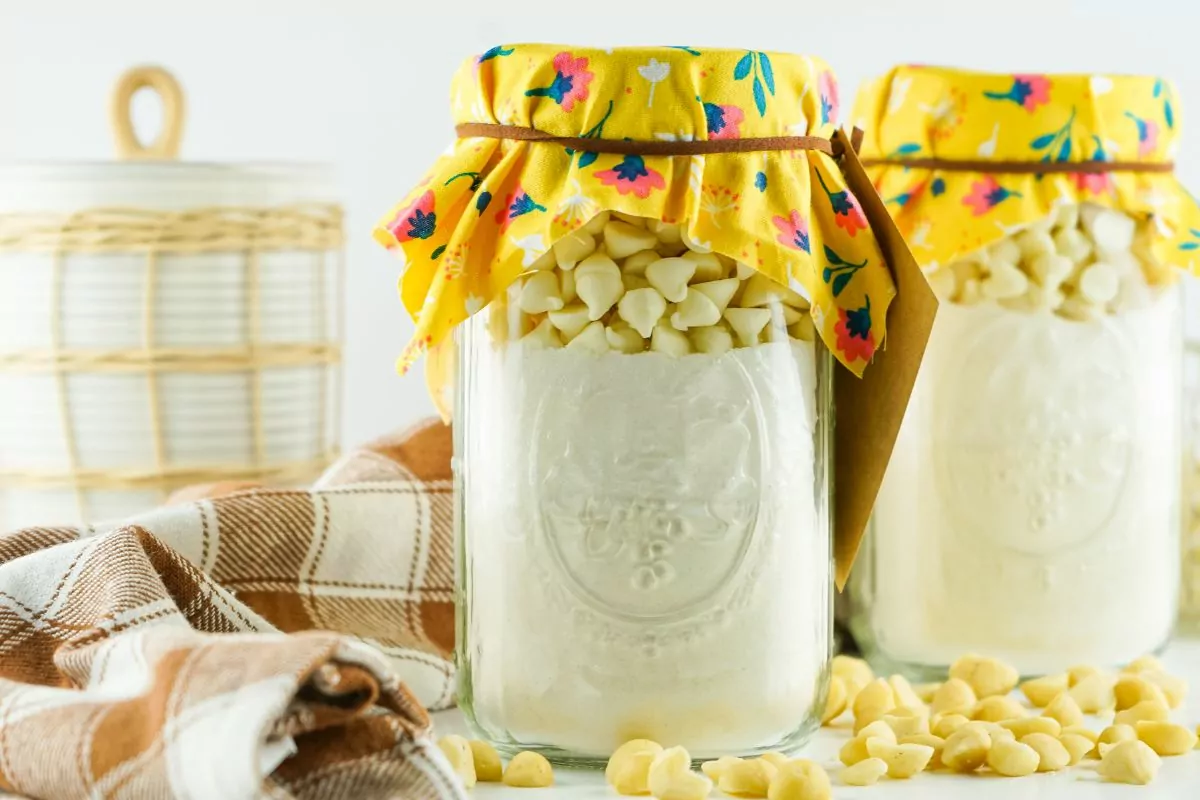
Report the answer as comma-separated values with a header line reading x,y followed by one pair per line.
x,y
1179,778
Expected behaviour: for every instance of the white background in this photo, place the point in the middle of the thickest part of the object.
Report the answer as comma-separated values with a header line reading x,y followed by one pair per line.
x,y
365,88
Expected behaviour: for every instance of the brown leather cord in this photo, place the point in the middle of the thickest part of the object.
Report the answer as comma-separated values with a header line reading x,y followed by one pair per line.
x,y
1020,167
654,148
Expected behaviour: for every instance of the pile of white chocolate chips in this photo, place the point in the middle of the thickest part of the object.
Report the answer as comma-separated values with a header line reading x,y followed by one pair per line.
x,y
629,284
1081,263
974,722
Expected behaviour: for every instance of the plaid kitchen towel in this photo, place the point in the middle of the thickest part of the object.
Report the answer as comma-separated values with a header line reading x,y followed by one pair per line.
x,y
266,643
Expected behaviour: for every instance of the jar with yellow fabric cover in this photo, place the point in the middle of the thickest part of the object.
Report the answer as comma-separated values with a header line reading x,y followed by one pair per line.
x,y
623,243
1031,510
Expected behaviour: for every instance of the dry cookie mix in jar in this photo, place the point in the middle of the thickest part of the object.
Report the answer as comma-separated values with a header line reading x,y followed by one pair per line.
x,y
650,271
1031,509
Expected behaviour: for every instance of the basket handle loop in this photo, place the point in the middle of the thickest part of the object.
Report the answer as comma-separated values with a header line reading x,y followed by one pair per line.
x,y
166,146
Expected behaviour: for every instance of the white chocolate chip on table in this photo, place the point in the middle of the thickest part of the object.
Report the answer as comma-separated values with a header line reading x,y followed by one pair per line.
x,y
1008,740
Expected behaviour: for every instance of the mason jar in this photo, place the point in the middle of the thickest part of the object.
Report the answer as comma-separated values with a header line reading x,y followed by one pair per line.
x,y
613,281
1031,510
645,539
1189,594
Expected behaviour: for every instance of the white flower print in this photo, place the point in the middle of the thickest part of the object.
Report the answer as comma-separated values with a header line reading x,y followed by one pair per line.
x,y
898,93
654,71
987,149
532,246
578,208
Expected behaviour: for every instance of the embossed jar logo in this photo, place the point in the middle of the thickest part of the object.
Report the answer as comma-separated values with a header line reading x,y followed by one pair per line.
x,y
1033,436
648,491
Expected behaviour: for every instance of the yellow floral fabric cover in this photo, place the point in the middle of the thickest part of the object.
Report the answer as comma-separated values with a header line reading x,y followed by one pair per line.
x,y
489,208
929,112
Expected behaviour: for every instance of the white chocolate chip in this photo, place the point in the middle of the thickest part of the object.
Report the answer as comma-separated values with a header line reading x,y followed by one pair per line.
x,y
1132,762
708,266
573,248
488,767
691,244
670,276
545,261
1013,759
595,226
457,751
720,292
632,282
566,283
1066,215
761,291
544,336
636,264
665,231
1051,269
1033,243
666,339
540,294
1111,231
591,339
623,338
570,320
943,283
696,311
1072,244
642,308
865,773
713,340
665,766
1099,283
622,239
632,219
1005,281
598,283
628,769
747,323
803,329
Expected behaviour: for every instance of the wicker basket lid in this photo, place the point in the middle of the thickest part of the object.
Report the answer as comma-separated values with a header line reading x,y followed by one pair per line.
x,y
149,175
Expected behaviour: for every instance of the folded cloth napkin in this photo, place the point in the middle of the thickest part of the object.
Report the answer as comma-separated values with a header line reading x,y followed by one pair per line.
x,y
251,645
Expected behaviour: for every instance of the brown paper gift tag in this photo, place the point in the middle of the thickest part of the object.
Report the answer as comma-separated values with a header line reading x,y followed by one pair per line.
x,y
877,401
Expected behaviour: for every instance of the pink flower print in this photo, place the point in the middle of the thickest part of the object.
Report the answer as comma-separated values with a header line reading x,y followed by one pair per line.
x,y
848,213
1095,183
828,88
985,195
723,121
793,231
1149,141
632,175
1027,91
414,221
1147,131
570,82
516,204
855,338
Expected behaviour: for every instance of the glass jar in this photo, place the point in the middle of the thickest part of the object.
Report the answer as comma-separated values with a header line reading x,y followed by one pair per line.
x,y
643,401
1189,594
1031,510
645,541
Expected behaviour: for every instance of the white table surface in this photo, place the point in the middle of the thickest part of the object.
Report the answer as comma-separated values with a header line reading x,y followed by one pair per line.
x,y
1178,779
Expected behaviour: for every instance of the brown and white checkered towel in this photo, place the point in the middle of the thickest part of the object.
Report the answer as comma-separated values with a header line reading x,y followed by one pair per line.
x,y
257,644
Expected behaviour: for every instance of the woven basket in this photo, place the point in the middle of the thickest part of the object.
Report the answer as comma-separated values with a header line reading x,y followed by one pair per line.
x,y
162,324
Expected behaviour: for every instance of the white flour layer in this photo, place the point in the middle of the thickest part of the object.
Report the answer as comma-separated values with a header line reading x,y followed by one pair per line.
x,y
1030,510
649,554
